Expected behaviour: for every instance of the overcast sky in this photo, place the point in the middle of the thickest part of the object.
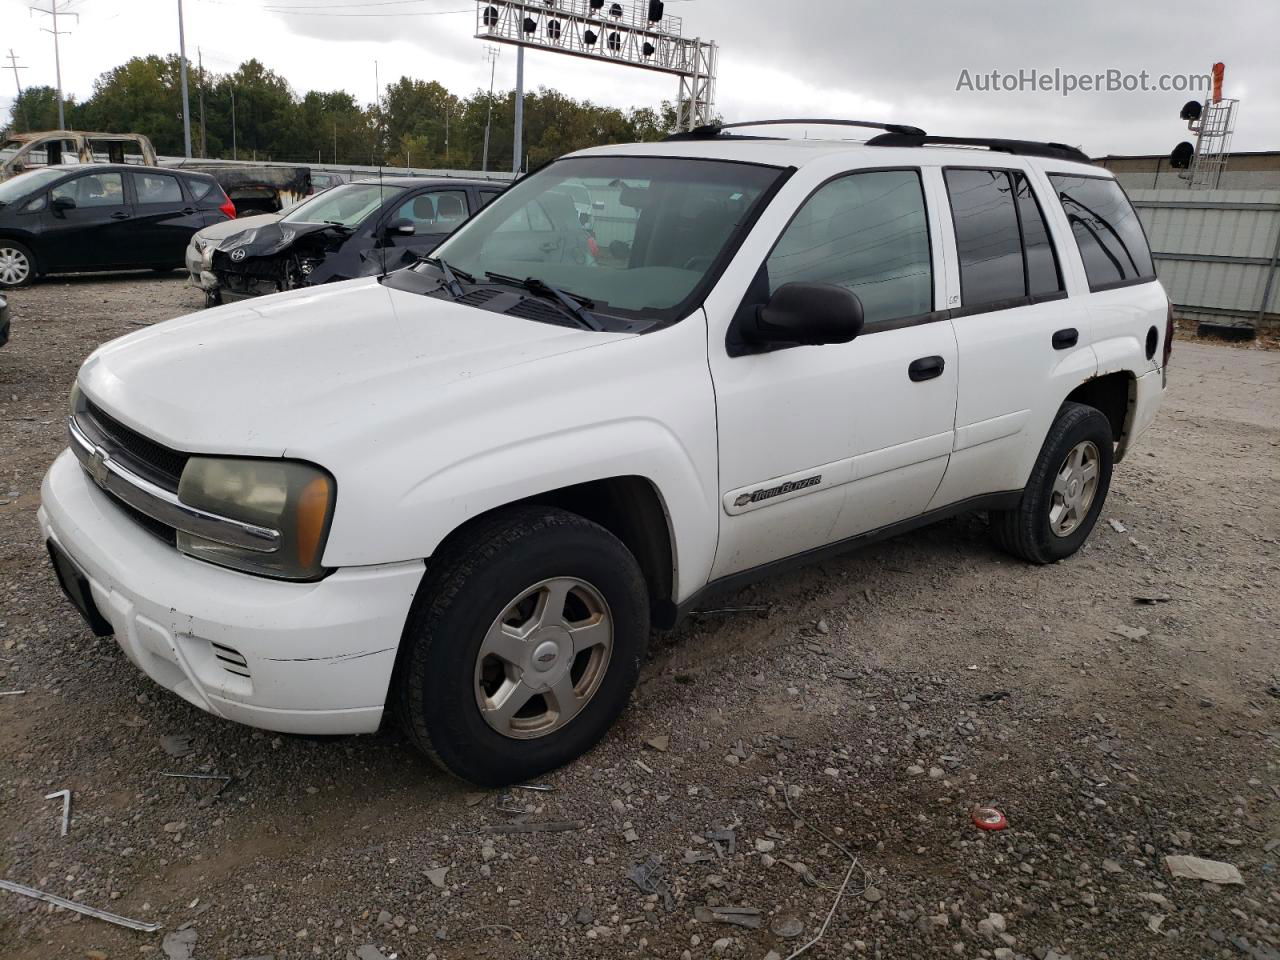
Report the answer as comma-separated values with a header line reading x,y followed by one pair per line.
x,y
884,61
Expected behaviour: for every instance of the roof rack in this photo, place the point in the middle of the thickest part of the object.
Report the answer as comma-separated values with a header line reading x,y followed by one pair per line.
x,y
1021,148
713,130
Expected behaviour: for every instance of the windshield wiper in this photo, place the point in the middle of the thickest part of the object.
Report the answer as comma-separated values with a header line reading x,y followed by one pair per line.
x,y
450,276
340,224
577,307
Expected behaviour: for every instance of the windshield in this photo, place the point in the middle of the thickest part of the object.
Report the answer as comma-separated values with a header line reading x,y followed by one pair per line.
x,y
348,204
659,227
18,187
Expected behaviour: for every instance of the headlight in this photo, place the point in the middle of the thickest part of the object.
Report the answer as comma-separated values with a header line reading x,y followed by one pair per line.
x,y
285,495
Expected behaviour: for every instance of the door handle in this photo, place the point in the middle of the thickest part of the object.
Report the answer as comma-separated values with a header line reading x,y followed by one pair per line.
x,y
1066,339
926,368
188,210
120,215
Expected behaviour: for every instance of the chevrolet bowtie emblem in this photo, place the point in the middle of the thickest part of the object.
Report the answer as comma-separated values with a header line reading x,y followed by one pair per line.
x,y
97,466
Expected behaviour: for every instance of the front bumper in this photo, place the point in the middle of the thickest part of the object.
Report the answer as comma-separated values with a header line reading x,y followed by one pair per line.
x,y
311,658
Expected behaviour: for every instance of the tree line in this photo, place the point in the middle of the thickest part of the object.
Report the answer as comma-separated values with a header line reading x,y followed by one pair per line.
x,y
417,123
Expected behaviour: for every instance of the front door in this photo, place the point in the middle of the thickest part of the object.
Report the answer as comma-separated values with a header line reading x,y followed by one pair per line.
x,y
820,443
86,225
434,214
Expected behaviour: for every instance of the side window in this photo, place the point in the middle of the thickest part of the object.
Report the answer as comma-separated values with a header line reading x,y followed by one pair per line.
x,y
199,188
487,197
1111,241
867,232
1043,275
987,237
156,188
436,212
92,190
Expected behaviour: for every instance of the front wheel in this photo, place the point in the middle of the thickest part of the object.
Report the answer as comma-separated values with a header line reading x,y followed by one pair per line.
x,y
523,645
17,264
1066,492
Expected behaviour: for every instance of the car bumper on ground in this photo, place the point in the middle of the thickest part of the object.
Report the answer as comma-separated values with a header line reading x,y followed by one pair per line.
x,y
310,658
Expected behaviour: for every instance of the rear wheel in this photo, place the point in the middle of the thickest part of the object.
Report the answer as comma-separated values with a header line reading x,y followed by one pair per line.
x,y
17,264
523,646
1066,492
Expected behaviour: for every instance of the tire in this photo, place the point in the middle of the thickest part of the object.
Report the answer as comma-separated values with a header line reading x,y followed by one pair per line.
x,y
213,298
1044,528
17,265
468,598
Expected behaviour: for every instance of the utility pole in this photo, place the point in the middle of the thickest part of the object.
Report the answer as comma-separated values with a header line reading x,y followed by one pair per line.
x,y
519,144
204,140
491,54
335,141
233,123
13,65
186,102
52,12
377,105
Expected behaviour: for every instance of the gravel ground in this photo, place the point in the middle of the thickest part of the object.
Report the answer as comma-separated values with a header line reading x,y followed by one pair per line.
x,y
1118,708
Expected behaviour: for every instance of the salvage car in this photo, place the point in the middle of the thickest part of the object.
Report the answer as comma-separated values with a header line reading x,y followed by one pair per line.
x,y
350,230
462,493
102,217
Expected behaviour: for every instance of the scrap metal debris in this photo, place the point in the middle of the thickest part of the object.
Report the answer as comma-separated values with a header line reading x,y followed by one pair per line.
x,y
66,807
723,840
11,693
537,787
651,877
88,911
787,928
698,856
748,917
1117,526
179,944
1210,871
988,818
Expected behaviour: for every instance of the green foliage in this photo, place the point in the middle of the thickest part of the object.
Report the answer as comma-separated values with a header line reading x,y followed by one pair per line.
x,y
418,123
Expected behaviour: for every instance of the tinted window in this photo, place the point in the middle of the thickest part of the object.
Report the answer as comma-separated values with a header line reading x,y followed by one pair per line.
x,y
1043,276
487,197
156,188
1112,244
348,204
199,188
987,237
93,190
867,232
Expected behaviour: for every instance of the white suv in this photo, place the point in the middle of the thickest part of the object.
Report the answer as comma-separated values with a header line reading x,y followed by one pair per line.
x,y
465,491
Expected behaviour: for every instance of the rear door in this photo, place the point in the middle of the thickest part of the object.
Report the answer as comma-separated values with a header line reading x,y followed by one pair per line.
x,y
1023,344
165,217
87,223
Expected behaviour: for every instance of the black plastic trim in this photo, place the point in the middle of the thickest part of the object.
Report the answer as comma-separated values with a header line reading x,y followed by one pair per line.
x,y
1019,148
670,614
712,130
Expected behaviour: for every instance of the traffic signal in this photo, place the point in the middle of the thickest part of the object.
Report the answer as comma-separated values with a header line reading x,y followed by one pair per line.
x,y
655,10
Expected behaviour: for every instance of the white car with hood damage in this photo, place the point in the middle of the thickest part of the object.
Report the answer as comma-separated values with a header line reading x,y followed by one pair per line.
x,y
463,493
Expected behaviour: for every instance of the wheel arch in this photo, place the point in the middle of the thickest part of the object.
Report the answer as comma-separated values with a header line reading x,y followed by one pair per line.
x,y
1115,396
632,509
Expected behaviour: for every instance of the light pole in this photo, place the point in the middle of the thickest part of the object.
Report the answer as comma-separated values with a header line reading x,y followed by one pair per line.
x,y
233,123
52,11
186,101
519,137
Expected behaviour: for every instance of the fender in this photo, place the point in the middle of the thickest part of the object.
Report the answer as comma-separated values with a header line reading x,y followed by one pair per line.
x,y
489,441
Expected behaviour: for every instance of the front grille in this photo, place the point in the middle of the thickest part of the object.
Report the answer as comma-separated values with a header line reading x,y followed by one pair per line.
x,y
153,526
152,460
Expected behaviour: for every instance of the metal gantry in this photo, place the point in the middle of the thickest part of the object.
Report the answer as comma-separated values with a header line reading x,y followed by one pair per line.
x,y
610,33
1213,143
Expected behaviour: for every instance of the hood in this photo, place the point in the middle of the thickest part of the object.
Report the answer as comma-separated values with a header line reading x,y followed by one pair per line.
x,y
268,239
226,228
310,368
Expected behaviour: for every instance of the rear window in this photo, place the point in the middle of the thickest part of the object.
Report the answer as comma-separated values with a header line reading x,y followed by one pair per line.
x,y
200,188
1111,241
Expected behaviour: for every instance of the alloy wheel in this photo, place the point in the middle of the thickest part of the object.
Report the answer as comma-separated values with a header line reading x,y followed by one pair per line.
x,y
15,268
543,658
1074,488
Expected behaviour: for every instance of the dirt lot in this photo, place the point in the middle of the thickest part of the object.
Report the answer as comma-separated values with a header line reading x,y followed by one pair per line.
x,y
1118,707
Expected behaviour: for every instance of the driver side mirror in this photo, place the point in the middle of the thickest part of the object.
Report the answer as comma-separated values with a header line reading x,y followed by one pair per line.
x,y
399,228
61,204
807,314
